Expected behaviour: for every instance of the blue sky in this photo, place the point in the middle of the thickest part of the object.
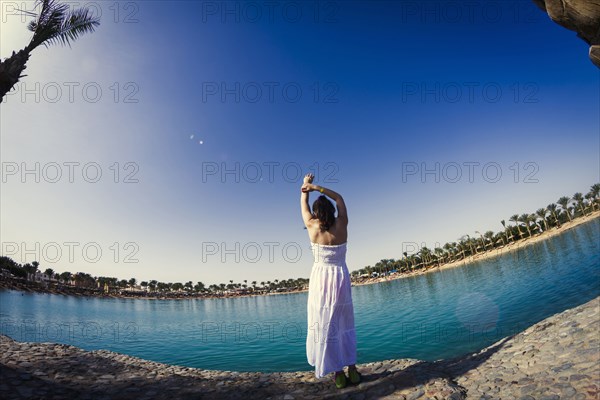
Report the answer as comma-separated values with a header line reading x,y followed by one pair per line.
x,y
365,94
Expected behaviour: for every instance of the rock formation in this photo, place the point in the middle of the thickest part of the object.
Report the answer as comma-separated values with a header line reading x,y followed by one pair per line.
x,y
581,16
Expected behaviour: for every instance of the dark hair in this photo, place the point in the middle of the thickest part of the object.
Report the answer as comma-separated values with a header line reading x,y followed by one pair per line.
x,y
325,211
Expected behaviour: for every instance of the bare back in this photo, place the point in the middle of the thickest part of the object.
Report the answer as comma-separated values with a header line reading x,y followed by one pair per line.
x,y
337,233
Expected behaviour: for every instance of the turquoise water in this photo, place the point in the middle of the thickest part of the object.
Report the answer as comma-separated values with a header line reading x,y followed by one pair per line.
x,y
431,316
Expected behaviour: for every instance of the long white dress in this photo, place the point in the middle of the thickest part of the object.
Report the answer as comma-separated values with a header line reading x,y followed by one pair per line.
x,y
331,338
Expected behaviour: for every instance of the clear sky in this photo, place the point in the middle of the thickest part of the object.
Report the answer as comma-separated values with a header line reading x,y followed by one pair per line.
x,y
433,119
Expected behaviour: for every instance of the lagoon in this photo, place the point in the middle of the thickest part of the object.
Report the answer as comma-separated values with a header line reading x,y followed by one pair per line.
x,y
432,316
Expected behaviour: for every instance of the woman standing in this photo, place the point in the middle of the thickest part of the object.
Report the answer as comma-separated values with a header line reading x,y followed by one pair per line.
x,y
331,339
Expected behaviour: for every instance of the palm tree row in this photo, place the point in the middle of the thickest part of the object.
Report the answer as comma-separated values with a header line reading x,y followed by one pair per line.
x,y
105,284
526,225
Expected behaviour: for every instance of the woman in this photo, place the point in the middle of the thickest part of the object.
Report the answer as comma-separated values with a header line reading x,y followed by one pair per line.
x,y
331,338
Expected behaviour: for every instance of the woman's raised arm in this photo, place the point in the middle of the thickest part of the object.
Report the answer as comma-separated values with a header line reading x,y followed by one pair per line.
x,y
304,207
339,200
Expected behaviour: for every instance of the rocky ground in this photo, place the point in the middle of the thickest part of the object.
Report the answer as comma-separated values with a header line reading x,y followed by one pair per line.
x,y
557,358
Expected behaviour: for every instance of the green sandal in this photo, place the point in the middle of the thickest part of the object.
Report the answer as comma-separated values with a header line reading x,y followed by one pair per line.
x,y
354,376
340,381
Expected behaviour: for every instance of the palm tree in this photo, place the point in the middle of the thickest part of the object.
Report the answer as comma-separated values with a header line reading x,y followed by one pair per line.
x,y
595,192
66,276
469,241
449,250
54,24
564,204
590,199
503,222
532,220
482,240
83,279
524,218
489,235
552,208
441,254
201,286
515,219
499,237
578,198
406,260
425,255
541,213
464,244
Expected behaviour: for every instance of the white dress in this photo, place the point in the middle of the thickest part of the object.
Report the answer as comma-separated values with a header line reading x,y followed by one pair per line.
x,y
331,338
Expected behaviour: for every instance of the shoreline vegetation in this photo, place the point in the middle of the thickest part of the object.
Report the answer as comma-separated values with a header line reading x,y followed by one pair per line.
x,y
527,229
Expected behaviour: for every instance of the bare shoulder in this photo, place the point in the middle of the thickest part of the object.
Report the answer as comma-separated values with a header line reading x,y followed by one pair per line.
x,y
312,223
313,227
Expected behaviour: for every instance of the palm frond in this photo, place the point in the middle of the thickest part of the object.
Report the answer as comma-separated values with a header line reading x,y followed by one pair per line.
x,y
77,23
48,21
57,24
